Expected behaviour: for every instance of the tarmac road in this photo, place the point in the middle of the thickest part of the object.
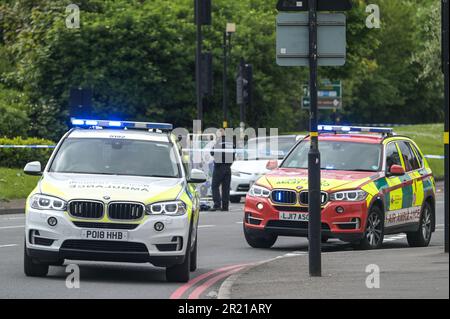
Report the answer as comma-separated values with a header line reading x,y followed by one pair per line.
x,y
222,252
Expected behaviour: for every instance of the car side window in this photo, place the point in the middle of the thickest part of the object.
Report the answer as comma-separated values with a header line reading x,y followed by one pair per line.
x,y
392,155
410,160
417,154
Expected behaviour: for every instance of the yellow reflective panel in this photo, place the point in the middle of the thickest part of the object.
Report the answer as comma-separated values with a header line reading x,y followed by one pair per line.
x,y
395,196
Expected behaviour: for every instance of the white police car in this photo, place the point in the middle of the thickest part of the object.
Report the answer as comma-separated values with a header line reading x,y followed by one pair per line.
x,y
114,191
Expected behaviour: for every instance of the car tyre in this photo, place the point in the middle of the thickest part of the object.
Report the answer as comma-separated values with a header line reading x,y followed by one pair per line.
x,y
235,199
259,241
422,237
181,272
32,267
374,233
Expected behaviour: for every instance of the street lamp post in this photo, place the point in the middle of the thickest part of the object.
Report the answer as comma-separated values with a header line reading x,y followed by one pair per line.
x,y
230,29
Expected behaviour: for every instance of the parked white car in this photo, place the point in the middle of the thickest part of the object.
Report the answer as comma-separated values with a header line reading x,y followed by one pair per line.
x,y
252,162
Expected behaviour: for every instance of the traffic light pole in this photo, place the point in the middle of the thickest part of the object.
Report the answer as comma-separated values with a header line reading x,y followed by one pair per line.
x,y
225,79
314,227
445,65
198,60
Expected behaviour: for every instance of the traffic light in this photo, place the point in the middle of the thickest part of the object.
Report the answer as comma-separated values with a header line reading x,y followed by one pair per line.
x,y
322,5
244,84
207,74
80,102
203,12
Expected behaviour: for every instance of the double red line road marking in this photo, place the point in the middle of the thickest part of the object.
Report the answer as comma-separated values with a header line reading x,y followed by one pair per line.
x,y
200,284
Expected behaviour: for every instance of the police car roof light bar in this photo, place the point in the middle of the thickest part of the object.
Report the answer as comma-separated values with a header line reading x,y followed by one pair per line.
x,y
121,124
353,129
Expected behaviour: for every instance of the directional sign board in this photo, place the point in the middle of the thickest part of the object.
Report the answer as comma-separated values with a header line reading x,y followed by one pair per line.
x,y
293,39
329,96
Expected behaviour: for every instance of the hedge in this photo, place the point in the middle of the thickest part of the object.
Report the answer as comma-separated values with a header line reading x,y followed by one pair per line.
x,y
19,157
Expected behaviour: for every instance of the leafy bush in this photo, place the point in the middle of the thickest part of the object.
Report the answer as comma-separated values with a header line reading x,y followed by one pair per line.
x,y
18,157
13,117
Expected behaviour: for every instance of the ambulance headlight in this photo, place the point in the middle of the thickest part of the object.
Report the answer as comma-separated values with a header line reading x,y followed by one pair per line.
x,y
173,208
45,202
259,191
351,196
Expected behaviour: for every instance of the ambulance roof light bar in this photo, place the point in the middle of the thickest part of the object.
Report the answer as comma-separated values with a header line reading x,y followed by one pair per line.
x,y
121,124
354,129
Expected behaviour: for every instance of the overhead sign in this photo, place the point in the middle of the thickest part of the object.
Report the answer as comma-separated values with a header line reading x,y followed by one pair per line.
x,y
329,96
293,39
322,5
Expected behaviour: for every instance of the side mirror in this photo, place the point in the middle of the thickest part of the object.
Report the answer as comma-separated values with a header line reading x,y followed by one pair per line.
x,y
33,168
396,170
272,164
197,177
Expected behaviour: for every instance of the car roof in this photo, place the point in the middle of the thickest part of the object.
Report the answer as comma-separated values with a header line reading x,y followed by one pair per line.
x,y
141,135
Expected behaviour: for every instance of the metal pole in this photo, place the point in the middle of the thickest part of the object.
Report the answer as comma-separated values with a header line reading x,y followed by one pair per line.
x,y
198,60
225,79
314,231
445,62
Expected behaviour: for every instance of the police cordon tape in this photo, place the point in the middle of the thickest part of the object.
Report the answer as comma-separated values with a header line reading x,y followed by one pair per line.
x,y
441,157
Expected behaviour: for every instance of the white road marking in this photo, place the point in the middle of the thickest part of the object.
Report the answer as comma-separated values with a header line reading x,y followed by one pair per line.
x,y
206,226
11,218
11,227
5,246
239,223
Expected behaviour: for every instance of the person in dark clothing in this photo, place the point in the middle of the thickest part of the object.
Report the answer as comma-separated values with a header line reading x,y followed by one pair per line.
x,y
223,153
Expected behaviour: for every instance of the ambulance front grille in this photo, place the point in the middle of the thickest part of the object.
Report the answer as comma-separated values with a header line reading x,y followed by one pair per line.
x,y
86,209
126,211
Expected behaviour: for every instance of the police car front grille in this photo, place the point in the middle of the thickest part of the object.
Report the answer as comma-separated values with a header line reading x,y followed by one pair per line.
x,y
106,225
86,209
103,245
304,198
284,197
125,211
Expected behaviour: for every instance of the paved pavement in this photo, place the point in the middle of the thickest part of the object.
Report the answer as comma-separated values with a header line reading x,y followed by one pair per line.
x,y
223,252
404,273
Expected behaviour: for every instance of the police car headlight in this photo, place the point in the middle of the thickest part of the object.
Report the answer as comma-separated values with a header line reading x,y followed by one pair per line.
x,y
352,196
39,201
173,208
259,191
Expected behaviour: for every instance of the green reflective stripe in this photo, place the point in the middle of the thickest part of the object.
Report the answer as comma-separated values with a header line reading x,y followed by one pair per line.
x,y
407,200
381,184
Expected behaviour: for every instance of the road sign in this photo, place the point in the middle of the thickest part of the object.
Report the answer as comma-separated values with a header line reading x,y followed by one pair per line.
x,y
322,5
293,39
329,96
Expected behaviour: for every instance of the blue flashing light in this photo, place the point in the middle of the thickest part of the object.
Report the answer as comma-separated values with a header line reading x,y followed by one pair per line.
x,y
122,124
349,129
77,122
91,123
115,124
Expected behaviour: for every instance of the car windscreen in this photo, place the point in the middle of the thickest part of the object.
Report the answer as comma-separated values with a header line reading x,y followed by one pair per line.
x,y
268,148
116,157
339,156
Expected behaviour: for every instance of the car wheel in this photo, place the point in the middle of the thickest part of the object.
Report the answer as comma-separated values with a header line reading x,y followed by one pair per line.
x,y
193,264
259,241
235,199
181,272
374,234
422,237
32,268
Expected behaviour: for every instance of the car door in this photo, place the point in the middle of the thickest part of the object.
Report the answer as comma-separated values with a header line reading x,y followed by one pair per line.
x,y
406,200
394,190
